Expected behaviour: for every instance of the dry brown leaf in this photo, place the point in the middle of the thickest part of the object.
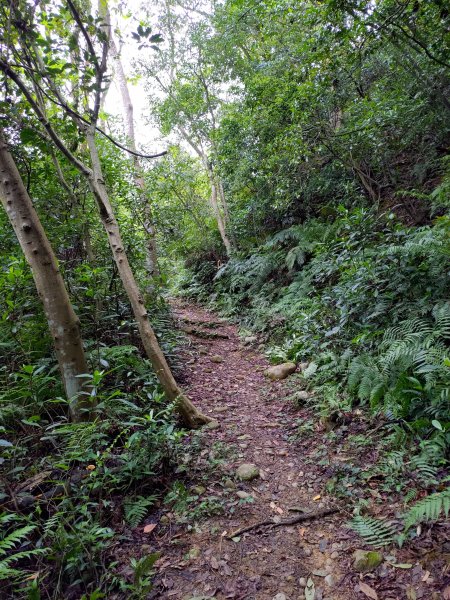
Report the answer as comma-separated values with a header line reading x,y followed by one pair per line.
x,y
317,497
446,593
214,563
149,528
425,577
367,590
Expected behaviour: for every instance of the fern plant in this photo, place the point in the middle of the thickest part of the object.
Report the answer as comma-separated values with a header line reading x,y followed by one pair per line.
x,y
9,555
410,374
136,509
428,509
374,532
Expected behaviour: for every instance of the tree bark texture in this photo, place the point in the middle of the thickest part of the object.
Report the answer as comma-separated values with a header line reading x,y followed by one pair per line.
x,y
62,321
190,416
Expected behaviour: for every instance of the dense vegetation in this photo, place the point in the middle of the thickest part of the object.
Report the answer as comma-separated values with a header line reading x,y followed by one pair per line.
x,y
304,194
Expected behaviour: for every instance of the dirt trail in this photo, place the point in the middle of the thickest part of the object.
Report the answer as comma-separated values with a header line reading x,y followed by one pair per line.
x,y
255,424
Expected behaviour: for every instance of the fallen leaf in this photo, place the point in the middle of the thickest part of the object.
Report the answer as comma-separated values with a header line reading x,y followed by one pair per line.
x,y
310,590
411,593
446,592
302,531
367,590
317,497
149,528
214,563
425,577
401,565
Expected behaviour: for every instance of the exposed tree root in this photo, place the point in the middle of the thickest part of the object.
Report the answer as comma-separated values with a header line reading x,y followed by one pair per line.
x,y
207,324
298,519
208,335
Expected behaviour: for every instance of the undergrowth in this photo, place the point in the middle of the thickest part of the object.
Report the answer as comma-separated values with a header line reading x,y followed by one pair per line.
x,y
361,302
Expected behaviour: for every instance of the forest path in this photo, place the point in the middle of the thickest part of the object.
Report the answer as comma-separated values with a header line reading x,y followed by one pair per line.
x,y
226,380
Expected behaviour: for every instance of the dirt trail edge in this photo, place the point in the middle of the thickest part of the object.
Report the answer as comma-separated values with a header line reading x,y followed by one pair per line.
x,y
226,379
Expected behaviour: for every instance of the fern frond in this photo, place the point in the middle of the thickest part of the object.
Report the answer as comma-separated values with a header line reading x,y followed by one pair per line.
x,y
374,532
14,538
136,509
428,509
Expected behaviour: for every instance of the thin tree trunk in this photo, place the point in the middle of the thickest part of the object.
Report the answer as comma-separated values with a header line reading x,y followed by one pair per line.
x,y
190,416
62,321
218,214
221,223
138,176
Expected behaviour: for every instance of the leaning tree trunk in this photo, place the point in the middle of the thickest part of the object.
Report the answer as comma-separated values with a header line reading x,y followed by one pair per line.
x,y
190,416
62,321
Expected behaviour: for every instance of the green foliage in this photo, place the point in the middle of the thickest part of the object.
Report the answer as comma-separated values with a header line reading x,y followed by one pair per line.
x,y
136,509
374,532
11,540
428,509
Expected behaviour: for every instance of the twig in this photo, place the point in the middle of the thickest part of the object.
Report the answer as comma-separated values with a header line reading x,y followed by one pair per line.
x,y
298,519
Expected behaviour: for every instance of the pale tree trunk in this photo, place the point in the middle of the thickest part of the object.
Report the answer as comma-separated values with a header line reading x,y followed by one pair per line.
x,y
219,216
223,201
138,176
190,416
216,188
62,321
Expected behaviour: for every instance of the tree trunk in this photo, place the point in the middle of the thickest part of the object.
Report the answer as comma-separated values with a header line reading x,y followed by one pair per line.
x,y
218,214
128,111
221,223
62,321
190,416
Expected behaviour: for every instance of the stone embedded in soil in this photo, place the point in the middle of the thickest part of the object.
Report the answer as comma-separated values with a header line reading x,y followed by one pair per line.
x,y
250,339
331,580
247,472
301,396
216,358
282,371
213,425
229,484
243,495
199,490
194,552
366,560
280,596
